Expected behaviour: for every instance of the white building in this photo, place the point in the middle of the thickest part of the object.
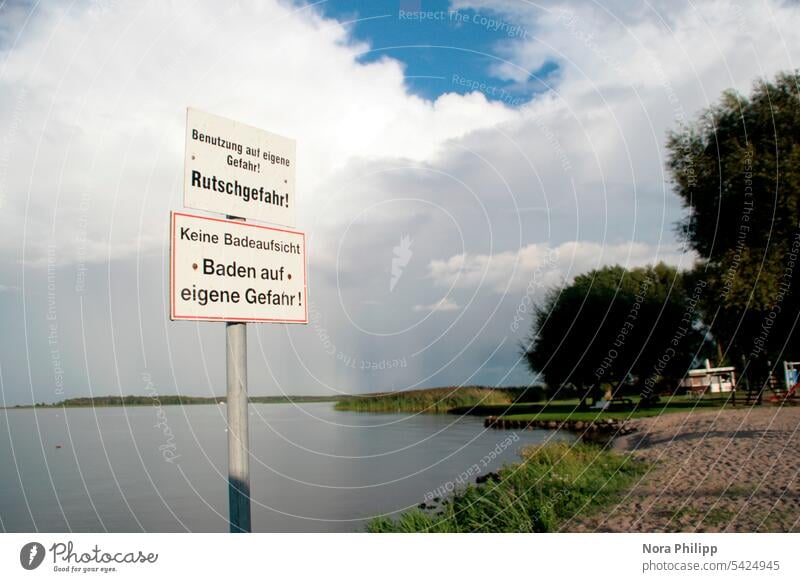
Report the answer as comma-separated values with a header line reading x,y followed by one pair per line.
x,y
708,379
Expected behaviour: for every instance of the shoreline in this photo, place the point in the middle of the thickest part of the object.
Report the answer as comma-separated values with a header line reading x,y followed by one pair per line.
x,y
169,400
732,470
725,470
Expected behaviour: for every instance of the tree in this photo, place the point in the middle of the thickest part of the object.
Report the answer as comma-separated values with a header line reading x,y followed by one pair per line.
x,y
617,329
737,171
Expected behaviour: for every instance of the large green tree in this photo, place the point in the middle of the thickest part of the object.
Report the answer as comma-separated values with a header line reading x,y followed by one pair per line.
x,y
737,170
618,329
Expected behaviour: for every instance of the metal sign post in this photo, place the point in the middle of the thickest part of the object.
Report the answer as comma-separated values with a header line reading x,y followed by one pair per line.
x,y
238,426
238,433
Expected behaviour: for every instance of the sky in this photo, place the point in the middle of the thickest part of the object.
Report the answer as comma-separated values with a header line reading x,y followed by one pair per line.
x,y
491,149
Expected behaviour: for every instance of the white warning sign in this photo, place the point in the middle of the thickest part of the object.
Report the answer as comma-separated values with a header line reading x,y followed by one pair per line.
x,y
239,170
225,270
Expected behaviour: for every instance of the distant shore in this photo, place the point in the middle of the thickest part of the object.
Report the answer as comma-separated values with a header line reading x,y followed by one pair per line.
x,y
504,407
455,399
164,400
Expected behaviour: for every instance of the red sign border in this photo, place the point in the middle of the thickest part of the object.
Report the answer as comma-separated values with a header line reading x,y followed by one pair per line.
x,y
174,317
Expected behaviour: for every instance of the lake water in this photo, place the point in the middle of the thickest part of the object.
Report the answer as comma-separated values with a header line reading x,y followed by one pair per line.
x,y
312,468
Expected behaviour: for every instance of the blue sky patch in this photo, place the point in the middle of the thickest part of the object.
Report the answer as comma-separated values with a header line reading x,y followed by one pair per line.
x,y
443,50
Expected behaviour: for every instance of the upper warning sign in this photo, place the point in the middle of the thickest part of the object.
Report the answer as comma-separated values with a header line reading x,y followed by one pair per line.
x,y
238,170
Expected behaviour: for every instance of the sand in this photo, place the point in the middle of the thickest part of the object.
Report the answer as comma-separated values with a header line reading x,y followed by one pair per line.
x,y
722,471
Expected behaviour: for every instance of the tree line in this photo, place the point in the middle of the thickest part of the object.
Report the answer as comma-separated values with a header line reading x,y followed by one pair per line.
x,y
736,169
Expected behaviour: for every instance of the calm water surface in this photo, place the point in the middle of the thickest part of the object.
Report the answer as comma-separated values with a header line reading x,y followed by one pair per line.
x,y
312,468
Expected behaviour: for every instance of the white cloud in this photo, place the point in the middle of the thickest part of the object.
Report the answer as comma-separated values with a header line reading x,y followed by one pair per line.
x,y
446,304
544,266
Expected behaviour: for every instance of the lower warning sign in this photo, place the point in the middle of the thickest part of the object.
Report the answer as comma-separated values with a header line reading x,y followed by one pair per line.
x,y
224,270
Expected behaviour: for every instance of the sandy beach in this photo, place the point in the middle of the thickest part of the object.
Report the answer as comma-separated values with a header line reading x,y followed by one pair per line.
x,y
722,471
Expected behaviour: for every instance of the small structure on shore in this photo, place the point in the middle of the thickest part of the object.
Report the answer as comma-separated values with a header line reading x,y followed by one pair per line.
x,y
702,380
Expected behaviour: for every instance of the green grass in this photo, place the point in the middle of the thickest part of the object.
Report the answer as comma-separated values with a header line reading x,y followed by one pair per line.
x,y
508,403
431,400
552,484
560,410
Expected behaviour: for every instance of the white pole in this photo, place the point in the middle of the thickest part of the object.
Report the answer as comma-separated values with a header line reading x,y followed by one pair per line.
x,y
238,432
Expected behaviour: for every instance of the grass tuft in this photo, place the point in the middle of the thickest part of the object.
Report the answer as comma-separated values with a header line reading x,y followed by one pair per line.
x,y
551,484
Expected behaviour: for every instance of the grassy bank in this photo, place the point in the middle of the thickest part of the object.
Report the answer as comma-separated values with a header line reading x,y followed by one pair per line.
x,y
550,485
430,400
560,410
515,404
